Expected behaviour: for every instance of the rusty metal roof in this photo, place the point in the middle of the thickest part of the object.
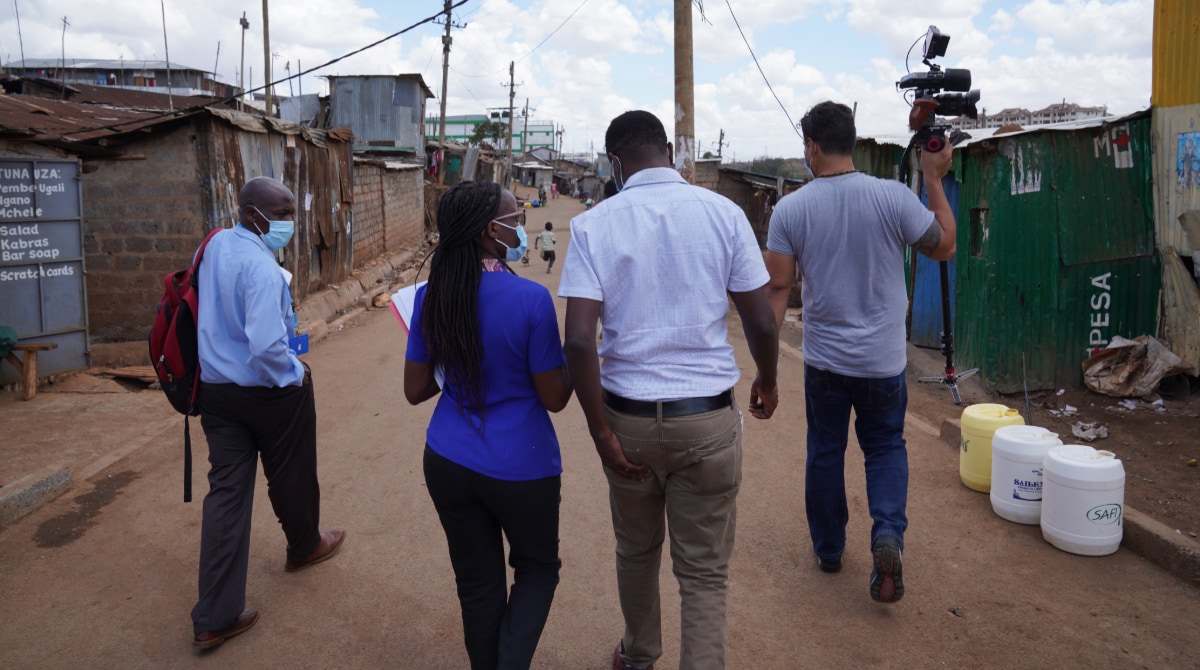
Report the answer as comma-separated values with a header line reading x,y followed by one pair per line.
x,y
30,118
131,99
70,123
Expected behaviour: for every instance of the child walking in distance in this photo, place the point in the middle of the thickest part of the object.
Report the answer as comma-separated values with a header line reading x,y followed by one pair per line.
x,y
546,240
492,462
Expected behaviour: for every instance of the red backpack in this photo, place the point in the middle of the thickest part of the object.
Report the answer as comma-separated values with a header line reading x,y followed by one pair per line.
x,y
174,352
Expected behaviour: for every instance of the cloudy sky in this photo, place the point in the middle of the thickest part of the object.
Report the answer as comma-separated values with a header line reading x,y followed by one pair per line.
x,y
581,62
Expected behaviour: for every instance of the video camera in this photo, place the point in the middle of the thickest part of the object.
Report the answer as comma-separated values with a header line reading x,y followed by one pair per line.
x,y
928,100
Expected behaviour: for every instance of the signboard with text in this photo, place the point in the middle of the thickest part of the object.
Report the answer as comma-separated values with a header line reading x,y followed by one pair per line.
x,y
42,293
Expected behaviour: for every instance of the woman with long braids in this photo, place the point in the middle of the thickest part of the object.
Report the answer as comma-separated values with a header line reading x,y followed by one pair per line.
x,y
492,462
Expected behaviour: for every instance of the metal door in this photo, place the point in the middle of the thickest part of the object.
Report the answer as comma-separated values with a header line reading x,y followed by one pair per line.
x,y
42,293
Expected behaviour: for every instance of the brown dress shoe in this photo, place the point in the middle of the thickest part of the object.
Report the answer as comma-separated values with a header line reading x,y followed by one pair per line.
x,y
331,540
245,622
620,664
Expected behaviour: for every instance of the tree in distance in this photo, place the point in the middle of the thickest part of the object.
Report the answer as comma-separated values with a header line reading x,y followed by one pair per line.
x,y
489,130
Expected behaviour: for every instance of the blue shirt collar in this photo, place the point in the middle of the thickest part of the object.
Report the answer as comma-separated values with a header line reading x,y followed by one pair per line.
x,y
243,231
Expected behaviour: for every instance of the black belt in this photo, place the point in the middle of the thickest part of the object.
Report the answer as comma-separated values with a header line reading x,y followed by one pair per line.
x,y
670,408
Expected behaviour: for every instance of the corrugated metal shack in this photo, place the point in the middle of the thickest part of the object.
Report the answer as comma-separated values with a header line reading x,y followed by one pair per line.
x,y
384,111
1175,127
1055,249
154,184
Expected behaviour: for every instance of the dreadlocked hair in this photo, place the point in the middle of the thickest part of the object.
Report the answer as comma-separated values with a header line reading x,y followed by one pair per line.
x,y
449,315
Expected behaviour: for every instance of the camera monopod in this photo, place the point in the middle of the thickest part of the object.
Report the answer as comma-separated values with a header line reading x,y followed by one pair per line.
x,y
951,378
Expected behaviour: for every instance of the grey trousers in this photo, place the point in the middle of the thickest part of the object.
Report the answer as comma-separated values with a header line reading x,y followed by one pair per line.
x,y
241,424
697,469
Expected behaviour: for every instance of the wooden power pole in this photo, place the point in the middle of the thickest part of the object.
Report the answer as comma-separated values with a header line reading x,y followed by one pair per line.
x,y
242,67
446,40
267,57
685,122
512,93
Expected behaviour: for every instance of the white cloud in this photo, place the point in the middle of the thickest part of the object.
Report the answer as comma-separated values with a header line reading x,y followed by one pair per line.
x,y
617,55
1081,27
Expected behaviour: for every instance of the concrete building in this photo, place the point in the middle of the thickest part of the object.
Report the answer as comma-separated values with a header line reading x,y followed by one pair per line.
x,y
155,76
528,136
1019,116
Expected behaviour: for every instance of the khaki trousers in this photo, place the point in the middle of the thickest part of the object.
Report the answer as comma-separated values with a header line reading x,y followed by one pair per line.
x,y
697,469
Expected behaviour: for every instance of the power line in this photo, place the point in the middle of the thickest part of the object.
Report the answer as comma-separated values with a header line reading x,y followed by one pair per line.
x,y
322,66
760,71
539,44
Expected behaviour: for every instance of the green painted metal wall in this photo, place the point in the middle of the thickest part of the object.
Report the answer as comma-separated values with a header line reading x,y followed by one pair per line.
x,y
1040,216
1103,300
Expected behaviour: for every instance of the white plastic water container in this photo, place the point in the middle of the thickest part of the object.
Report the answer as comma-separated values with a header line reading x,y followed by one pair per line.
x,y
1083,500
1017,456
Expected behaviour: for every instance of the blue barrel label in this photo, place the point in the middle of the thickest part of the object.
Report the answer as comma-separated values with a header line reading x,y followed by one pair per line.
x,y
1028,490
1105,515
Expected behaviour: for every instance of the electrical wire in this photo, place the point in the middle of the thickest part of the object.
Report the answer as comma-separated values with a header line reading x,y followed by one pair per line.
x,y
222,101
760,71
539,44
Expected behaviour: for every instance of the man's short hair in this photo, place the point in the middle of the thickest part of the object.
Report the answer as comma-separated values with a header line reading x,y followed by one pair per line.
x,y
637,128
549,226
831,125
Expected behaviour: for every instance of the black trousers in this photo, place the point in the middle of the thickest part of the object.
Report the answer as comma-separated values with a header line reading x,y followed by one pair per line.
x,y
241,424
501,628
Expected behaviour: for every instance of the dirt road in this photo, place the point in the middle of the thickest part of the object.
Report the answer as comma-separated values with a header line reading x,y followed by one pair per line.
x,y
104,577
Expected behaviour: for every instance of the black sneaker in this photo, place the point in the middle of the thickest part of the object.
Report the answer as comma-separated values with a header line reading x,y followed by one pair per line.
x,y
829,564
887,575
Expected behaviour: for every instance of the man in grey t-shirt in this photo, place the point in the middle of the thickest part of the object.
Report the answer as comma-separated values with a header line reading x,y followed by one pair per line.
x,y
846,231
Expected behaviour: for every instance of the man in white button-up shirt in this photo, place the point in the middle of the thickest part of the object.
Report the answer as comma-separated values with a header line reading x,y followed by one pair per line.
x,y
656,264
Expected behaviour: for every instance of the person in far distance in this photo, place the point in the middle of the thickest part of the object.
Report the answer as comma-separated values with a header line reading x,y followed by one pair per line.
x,y
492,462
546,240
847,232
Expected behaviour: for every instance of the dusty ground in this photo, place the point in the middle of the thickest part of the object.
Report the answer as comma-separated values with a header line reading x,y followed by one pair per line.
x,y
1156,447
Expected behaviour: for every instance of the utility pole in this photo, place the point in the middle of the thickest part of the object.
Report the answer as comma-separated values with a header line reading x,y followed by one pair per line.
x,y
525,129
685,122
242,68
267,56
62,71
446,41
20,39
512,93
166,52
217,60
720,144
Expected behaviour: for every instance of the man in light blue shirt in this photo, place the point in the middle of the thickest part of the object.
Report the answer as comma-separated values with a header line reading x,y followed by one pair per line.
x,y
256,400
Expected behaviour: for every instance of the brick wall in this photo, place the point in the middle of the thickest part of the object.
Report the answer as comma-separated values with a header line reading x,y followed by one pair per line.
x,y
142,218
368,226
404,205
388,209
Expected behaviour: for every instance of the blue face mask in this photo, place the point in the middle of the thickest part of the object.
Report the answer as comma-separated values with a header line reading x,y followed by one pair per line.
x,y
514,254
278,234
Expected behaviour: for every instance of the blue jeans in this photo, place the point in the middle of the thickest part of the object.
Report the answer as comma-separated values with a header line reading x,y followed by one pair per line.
x,y
879,406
